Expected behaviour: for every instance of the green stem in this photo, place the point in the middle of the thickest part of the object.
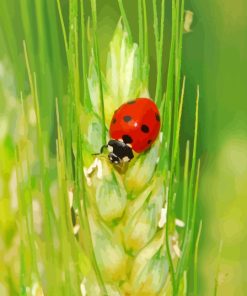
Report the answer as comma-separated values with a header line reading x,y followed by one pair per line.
x,y
96,53
125,20
196,259
81,181
169,209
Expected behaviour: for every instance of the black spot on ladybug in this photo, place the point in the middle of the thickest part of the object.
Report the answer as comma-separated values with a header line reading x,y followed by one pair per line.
x,y
131,102
157,117
127,139
149,141
114,120
145,128
127,118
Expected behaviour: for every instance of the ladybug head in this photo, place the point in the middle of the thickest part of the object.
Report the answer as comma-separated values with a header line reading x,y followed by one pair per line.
x,y
119,151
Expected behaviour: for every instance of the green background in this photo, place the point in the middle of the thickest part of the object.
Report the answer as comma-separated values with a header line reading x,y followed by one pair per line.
x,y
215,57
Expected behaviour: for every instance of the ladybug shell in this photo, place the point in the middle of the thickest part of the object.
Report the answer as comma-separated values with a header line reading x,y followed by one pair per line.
x,y
137,123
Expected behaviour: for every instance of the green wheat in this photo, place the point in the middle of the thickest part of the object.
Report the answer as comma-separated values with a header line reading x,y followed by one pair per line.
x,y
59,79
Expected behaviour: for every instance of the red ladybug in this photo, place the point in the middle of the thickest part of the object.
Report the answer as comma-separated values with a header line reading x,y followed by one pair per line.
x,y
134,125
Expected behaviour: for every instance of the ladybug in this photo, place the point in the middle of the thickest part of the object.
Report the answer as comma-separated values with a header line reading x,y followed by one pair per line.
x,y
135,125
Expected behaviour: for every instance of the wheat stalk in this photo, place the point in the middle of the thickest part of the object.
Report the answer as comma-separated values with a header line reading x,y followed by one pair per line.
x,y
126,238
134,250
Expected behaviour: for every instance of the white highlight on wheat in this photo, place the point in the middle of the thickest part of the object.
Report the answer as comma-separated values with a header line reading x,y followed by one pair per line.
x,y
179,223
188,19
175,246
71,197
161,137
97,164
88,179
37,290
163,214
163,217
100,169
83,287
76,229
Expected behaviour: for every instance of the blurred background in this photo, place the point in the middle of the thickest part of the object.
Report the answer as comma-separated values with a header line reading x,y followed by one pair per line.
x,y
215,58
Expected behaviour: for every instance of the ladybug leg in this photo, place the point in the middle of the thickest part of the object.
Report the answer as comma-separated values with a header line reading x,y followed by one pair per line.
x,y
101,150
